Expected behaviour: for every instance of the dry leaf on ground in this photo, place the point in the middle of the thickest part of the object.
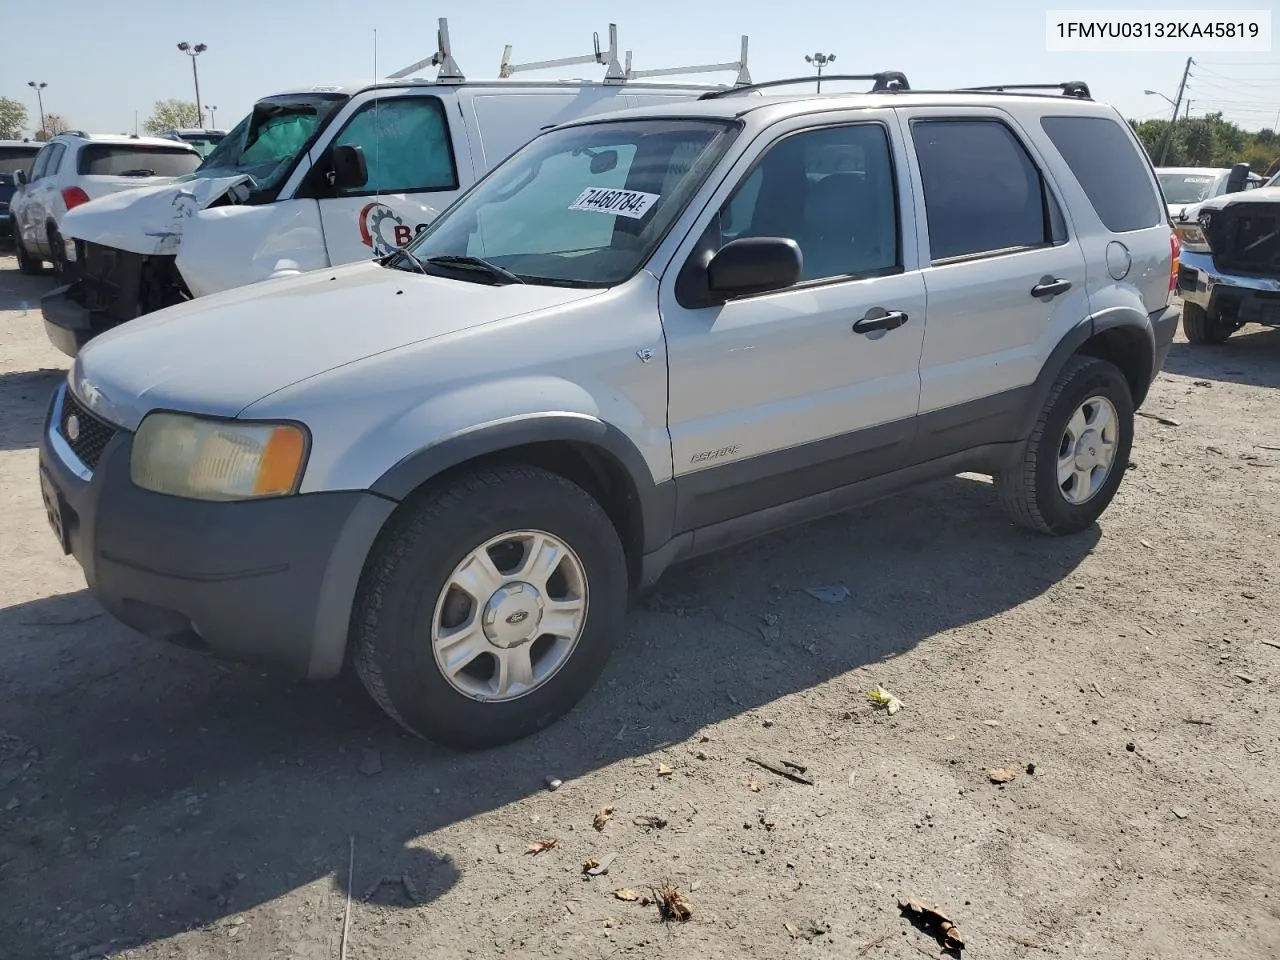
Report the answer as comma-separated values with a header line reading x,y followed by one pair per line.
x,y
602,817
934,922
626,894
753,786
664,770
588,865
883,698
671,902
1001,775
540,846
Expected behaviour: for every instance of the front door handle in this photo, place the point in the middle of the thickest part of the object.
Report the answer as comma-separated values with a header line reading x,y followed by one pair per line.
x,y
1050,287
878,318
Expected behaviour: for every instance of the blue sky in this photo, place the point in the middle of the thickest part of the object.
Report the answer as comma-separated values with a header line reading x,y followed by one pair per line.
x,y
119,58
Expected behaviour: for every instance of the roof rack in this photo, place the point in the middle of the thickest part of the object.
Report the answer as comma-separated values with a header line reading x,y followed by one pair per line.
x,y
450,72
740,65
886,80
1072,88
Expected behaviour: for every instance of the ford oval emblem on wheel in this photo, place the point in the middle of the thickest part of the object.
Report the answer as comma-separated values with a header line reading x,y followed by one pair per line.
x,y
73,427
518,617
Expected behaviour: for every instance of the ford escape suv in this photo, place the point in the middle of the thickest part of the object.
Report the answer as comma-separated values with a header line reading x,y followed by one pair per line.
x,y
644,336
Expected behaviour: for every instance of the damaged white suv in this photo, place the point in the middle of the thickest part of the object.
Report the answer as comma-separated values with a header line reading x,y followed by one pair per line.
x,y
645,336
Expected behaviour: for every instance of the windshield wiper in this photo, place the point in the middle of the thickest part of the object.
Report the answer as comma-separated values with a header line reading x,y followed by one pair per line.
x,y
475,263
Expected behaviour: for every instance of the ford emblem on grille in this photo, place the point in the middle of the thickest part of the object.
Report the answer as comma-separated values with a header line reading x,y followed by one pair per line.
x,y
73,428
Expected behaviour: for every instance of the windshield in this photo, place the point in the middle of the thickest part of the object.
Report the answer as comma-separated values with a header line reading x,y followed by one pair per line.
x,y
581,206
265,143
1186,187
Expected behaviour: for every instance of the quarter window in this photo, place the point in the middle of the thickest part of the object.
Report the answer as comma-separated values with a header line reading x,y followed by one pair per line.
x,y
1111,171
832,192
982,192
406,145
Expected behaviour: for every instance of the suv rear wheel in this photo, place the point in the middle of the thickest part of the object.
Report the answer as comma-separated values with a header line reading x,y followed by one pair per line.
x,y
490,607
1076,456
1202,327
27,264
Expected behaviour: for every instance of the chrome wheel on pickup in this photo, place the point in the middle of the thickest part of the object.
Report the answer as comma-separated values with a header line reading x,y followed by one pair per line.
x,y
490,606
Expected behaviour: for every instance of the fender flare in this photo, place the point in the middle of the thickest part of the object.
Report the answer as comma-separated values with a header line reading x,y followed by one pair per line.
x,y
655,501
1113,318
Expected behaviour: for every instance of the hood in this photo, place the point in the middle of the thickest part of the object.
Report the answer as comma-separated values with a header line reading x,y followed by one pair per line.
x,y
1257,195
146,220
219,354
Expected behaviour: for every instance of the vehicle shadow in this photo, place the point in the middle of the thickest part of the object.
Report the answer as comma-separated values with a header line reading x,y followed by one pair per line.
x,y
146,791
1251,356
24,397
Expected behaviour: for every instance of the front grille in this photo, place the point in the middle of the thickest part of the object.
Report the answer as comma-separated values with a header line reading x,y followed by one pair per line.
x,y
88,436
1246,238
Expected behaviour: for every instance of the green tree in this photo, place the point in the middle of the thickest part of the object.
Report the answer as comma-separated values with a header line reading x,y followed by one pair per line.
x,y
1208,141
54,124
13,119
169,114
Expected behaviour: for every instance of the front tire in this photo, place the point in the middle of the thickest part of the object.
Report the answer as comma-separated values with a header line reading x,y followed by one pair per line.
x,y
490,607
1077,454
1199,326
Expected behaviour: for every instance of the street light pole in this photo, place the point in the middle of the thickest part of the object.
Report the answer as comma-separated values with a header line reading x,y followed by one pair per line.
x,y
194,51
39,98
213,118
820,60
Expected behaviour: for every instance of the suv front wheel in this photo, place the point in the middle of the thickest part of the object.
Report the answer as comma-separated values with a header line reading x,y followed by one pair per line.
x,y
490,607
1077,454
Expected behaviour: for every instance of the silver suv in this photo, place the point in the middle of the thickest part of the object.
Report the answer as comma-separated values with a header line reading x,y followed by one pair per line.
x,y
645,336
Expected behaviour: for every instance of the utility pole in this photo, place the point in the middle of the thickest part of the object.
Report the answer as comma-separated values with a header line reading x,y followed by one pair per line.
x,y
213,118
1168,135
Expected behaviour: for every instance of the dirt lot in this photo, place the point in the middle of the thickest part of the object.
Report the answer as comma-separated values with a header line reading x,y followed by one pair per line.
x,y
157,805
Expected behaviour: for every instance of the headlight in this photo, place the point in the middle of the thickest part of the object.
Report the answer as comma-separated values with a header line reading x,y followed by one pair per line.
x,y
206,459
1192,236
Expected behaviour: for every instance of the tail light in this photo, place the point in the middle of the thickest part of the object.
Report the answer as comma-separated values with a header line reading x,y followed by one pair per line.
x,y
1175,251
74,196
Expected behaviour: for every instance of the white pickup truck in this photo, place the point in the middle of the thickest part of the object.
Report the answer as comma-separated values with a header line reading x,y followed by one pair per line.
x,y
322,176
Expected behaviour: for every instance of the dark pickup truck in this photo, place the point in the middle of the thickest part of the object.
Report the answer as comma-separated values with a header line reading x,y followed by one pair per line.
x,y
1229,272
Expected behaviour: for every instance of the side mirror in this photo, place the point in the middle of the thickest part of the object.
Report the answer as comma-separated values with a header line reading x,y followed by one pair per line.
x,y
1237,178
20,177
349,168
754,265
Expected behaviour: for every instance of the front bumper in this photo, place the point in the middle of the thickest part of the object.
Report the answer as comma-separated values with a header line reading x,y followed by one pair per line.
x,y
68,324
1249,299
267,581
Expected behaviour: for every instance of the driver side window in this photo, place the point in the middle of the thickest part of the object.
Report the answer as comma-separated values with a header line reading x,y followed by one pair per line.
x,y
406,146
830,190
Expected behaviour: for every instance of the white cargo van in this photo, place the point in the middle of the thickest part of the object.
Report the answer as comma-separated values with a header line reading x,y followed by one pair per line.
x,y
327,175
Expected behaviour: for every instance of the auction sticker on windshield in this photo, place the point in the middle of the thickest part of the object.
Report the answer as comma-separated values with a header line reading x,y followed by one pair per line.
x,y
623,203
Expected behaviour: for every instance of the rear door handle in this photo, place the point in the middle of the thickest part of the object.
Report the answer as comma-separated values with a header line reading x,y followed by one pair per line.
x,y
1050,287
878,318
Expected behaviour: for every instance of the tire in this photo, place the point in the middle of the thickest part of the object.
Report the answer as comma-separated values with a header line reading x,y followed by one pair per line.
x,y
57,252
405,592
1200,327
27,265
1031,492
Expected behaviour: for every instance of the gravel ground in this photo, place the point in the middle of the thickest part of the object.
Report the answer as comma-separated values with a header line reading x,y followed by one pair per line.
x,y
157,805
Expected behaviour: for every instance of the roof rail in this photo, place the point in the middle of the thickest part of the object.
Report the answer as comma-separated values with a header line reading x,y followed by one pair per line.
x,y
1072,88
740,65
614,73
885,81
450,72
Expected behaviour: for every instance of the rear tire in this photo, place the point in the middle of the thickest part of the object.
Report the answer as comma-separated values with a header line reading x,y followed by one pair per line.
x,y
1200,326
27,265
462,635
58,253
1060,486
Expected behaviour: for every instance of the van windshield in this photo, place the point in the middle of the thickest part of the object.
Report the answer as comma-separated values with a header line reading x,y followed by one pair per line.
x,y
265,143
580,206
1186,187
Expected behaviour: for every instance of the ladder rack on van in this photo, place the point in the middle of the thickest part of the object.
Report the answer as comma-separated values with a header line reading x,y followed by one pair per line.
x,y
616,73
450,72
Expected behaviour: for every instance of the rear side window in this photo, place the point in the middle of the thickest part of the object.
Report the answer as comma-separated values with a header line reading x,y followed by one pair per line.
x,y
13,159
1111,172
983,194
124,160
